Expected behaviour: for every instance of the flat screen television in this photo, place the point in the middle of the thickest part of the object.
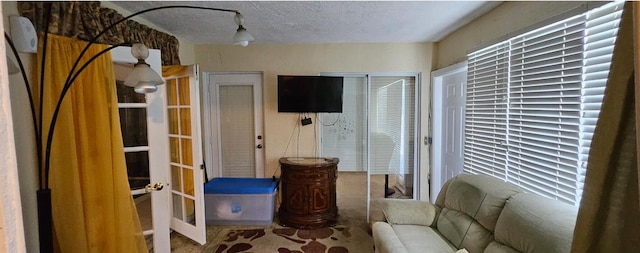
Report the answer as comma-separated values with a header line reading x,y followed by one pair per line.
x,y
310,93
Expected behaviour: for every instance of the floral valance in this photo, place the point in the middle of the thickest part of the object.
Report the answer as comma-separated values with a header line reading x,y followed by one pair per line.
x,y
84,20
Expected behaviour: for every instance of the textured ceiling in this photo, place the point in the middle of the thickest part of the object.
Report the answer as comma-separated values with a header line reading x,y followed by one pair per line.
x,y
315,21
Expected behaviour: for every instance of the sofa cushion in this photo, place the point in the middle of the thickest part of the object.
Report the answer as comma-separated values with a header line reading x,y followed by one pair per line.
x,y
422,239
472,204
479,196
385,239
462,231
531,223
409,212
453,225
496,247
477,238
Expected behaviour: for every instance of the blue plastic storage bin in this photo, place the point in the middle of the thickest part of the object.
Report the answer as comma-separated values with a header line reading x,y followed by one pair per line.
x,y
240,201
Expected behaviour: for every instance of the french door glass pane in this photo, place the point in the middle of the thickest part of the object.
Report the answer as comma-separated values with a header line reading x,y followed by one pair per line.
x,y
137,169
133,123
173,125
177,206
143,206
176,179
237,130
127,94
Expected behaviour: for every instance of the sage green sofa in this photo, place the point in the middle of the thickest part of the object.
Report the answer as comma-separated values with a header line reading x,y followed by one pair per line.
x,y
480,214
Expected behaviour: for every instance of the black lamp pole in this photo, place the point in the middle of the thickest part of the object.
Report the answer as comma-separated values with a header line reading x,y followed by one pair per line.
x,y
45,218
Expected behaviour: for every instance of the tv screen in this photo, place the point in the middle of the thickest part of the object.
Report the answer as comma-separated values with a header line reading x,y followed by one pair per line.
x,y
309,93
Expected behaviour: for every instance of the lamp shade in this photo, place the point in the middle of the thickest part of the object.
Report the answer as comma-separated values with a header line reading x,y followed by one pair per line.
x,y
145,88
242,37
143,79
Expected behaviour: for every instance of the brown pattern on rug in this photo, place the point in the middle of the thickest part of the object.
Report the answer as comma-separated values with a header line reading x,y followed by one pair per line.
x,y
337,239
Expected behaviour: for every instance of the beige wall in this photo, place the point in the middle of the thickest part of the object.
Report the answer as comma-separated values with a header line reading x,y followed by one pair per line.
x,y
506,18
312,59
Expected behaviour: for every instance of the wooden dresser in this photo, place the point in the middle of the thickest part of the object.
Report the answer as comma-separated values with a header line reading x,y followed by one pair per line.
x,y
308,192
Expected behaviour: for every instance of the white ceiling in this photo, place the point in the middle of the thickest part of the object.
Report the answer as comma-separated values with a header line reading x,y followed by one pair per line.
x,y
293,22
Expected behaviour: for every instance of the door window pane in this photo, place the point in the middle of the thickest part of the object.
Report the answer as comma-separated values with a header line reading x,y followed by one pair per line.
x,y
185,121
143,206
183,84
188,181
133,123
176,179
174,147
177,206
190,207
187,152
172,92
137,169
237,130
173,121
126,94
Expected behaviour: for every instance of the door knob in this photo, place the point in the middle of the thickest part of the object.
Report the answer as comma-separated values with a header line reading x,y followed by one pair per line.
x,y
259,146
156,187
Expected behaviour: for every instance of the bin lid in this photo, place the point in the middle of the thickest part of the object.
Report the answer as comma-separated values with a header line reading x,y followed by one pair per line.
x,y
231,185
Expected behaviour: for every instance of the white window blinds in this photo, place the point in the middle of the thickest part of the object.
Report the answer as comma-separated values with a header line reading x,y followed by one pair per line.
x,y
486,111
544,108
551,100
601,30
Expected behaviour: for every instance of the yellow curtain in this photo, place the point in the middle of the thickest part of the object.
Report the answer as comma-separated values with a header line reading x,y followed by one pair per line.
x,y
609,215
93,210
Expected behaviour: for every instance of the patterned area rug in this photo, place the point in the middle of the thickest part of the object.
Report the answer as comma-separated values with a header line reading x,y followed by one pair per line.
x,y
291,240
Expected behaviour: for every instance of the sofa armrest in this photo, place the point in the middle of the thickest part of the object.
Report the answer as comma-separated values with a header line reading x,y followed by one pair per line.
x,y
375,212
402,211
385,239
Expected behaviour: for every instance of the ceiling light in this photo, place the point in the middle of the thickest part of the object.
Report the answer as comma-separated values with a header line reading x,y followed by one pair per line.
x,y
242,37
143,79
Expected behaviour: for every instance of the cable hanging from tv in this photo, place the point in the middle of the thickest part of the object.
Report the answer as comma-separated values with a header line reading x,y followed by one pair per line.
x,y
332,124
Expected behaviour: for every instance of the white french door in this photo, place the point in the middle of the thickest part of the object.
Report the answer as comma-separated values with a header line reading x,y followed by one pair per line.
x,y
144,127
233,125
185,146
